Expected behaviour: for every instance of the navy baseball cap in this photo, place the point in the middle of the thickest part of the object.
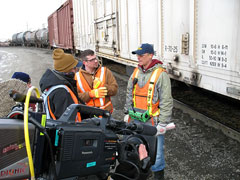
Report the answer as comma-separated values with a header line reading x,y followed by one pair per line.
x,y
21,76
145,48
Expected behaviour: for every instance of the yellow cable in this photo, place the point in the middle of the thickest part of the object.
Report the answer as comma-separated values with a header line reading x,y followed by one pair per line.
x,y
26,130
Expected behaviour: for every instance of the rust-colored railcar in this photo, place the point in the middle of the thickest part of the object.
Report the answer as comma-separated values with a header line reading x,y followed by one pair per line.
x,y
60,27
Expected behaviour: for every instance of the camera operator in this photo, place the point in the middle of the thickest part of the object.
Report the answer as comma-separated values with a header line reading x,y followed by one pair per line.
x,y
58,85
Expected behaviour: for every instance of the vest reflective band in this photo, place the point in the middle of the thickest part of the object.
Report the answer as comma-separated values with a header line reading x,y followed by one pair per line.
x,y
48,110
135,75
79,82
150,85
83,86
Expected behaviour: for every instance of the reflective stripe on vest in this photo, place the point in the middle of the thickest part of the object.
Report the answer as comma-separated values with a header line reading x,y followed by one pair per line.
x,y
101,79
79,82
83,86
45,96
135,75
150,92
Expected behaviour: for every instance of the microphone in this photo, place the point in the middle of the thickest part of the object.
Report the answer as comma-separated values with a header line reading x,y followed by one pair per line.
x,y
144,129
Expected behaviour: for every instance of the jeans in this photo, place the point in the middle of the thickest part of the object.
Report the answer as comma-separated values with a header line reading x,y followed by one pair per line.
x,y
160,161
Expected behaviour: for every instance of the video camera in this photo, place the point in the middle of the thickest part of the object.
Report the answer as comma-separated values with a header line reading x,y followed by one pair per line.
x,y
99,145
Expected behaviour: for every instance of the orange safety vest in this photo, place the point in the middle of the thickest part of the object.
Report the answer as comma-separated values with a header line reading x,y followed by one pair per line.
x,y
83,86
142,97
48,110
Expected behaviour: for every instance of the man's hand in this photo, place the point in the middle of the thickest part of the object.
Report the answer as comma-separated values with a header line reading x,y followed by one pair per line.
x,y
98,93
142,151
96,83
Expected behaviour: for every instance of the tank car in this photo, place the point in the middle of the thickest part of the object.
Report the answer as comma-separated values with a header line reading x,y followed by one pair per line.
x,y
32,38
21,40
42,37
14,39
27,37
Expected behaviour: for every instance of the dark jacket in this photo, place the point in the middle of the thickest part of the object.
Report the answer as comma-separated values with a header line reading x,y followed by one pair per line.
x,y
59,99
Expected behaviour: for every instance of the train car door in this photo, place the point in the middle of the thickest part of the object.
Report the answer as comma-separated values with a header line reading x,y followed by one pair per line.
x,y
105,19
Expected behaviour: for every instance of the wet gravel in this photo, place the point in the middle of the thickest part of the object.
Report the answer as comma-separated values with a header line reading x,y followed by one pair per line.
x,y
193,151
200,152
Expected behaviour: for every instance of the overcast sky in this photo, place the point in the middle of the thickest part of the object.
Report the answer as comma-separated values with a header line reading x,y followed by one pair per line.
x,y
21,15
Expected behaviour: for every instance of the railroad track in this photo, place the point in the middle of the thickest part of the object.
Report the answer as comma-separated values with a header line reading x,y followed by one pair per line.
x,y
215,110
207,120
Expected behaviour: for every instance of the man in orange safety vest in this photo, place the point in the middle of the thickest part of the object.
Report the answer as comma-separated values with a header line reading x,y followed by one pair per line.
x,y
149,99
95,83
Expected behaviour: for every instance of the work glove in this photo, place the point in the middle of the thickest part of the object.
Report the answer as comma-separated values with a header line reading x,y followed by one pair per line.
x,y
126,117
162,128
98,93
96,83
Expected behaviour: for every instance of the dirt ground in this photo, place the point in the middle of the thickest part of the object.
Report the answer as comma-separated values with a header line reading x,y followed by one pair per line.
x,y
193,151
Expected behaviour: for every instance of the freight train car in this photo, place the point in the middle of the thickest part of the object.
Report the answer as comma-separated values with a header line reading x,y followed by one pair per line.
x,y
60,27
21,37
32,38
14,39
27,37
42,37
197,41
83,26
38,38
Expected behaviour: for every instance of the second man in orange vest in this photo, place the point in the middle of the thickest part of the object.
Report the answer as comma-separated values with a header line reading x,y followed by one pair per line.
x,y
95,83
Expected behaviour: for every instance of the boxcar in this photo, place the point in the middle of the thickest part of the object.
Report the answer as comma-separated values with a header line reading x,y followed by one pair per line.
x,y
197,41
60,27
83,26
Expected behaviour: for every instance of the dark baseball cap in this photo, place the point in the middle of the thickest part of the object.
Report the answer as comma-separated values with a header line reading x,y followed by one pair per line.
x,y
21,76
144,48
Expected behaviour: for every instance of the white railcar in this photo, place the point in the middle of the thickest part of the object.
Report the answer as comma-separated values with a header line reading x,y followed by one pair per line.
x,y
198,41
83,27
